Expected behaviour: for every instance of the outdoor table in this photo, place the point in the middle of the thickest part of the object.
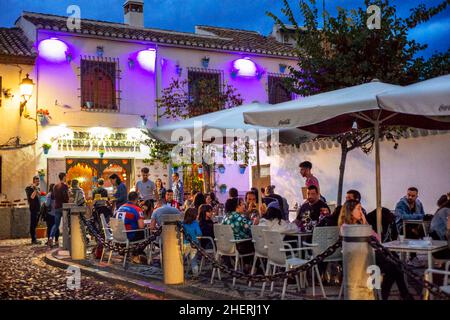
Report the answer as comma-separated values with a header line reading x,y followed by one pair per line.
x,y
418,246
299,235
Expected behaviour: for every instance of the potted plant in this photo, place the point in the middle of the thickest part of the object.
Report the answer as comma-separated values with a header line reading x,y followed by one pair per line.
x,y
223,188
41,173
282,67
242,168
43,115
175,168
101,152
205,62
221,168
46,147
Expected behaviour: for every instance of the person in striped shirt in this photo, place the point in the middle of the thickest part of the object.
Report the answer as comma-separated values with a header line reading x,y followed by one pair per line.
x,y
132,216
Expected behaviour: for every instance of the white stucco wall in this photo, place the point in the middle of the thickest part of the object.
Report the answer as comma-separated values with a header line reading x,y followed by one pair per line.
x,y
423,162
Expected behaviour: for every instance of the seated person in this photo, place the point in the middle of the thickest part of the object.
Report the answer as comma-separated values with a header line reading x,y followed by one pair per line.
x,y
308,214
388,226
132,216
192,232
205,214
169,201
273,220
156,220
269,192
350,195
409,208
351,213
438,227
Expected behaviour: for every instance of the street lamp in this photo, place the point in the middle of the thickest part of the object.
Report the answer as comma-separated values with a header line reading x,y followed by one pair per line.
x,y
26,90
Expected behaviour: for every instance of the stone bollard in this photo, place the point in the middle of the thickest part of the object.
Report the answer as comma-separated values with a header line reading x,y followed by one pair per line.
x,y
65,225
171,250
77,245
357,256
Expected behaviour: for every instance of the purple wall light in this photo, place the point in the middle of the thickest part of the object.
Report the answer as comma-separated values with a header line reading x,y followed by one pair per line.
x,y
146,59
244,67
53,50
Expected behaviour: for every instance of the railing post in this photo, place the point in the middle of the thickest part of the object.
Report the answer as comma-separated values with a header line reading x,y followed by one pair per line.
x,y
65,225
78,248
171,249
357,256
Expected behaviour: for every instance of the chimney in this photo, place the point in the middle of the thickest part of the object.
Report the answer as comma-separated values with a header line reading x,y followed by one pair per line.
x,y
134,13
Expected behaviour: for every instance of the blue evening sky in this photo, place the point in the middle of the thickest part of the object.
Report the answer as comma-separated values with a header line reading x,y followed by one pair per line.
x,y
183,15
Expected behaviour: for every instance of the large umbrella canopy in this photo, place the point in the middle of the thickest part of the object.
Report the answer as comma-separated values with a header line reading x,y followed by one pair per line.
x,y
225,122
426,98
221,123
340,111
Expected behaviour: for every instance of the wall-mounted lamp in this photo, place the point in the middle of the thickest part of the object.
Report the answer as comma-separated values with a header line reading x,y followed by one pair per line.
x,y
7,93
100,51
130,63
26,90
178,69
146,59
54,50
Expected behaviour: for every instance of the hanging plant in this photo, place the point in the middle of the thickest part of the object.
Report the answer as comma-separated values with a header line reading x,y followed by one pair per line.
x,y
41,173
221,168
223,188
43,116
242,168
101,152
205,62
46,147
175,168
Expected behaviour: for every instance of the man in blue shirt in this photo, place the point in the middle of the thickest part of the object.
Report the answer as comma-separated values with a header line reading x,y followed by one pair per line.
x,y
408,208
121,191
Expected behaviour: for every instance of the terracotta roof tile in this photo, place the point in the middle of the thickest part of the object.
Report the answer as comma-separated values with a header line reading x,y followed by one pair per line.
x,y
14,43
218,38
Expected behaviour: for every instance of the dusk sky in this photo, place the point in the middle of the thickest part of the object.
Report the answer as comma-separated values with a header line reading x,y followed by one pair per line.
x,y
183,15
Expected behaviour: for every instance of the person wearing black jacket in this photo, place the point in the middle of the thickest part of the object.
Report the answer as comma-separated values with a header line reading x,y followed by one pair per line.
x,y
205,213
33,196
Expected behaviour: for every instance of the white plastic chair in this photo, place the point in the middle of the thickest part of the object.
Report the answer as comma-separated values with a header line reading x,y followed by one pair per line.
x,y
107,233
260,248
277,257
322,238
226,246
209,251
446,273
120,236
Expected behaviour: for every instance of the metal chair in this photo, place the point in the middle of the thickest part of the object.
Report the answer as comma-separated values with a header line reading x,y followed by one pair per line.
x,y
107,233
446,273
226,246
212,250
120,236
322,238
277,257
260,248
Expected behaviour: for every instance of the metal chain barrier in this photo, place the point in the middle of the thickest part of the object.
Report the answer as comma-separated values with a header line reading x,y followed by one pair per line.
x,y
92,230
431,287
260,278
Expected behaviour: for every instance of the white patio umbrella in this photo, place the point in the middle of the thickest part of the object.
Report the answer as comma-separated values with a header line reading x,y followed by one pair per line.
x,y
221,122
426,98
339,111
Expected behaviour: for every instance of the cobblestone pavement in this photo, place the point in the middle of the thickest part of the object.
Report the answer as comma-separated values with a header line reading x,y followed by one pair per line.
x,y
24,275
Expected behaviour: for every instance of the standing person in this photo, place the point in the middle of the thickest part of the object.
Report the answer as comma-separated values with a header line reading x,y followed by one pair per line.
x,y
310,179
308,214
77,194
33,196
50,219
192,231
177,186
61,195
146,190
121,190
160,191
351,213
100,189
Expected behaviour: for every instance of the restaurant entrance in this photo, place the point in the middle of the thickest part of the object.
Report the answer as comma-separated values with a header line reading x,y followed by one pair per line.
x,y
88,171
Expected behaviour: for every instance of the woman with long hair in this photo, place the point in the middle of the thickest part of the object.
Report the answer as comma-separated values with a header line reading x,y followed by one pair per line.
x,y
199,199
191,230
160,191
50,217
351,213
205,214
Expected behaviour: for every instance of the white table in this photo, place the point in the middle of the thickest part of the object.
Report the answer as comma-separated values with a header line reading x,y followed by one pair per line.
x,y
417,246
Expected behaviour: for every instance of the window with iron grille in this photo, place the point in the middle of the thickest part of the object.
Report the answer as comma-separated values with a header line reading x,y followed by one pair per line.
x,y
277,89
197,80
100,84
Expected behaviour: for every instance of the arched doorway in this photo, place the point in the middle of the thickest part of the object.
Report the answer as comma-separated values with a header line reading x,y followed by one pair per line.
x,y
84,173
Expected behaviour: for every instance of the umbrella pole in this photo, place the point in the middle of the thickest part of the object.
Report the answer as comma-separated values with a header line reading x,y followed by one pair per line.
x,y
378,175
258,173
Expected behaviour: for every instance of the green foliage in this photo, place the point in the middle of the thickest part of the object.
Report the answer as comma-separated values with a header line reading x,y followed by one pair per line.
x,y
345,52
159,150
